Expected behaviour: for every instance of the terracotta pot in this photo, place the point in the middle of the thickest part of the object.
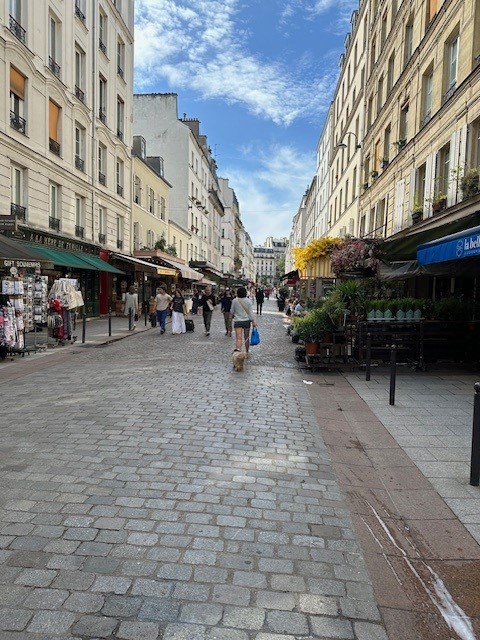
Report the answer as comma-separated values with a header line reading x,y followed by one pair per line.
x,y
311,348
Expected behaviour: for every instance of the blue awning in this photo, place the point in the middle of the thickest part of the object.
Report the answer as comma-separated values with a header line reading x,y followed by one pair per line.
x,y
464,244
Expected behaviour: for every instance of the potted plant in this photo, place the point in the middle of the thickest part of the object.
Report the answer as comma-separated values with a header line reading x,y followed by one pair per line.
x,y
470,182
400,144
312,328
374,175
417,212
365,186
438,200
384,162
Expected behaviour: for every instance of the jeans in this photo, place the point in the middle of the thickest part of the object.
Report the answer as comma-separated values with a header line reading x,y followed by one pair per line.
x,y
207,320
228,321
161,317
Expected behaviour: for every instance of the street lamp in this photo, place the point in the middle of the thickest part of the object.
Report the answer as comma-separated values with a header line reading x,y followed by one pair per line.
x,y
342,145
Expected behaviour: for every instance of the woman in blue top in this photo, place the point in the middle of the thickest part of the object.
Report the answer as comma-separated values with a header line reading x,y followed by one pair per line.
x,y
243,319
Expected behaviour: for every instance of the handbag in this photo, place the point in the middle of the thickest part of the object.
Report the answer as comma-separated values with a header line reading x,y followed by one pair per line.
x,y
254,337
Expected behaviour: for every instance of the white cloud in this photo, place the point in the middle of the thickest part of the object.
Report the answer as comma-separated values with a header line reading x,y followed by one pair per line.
x,y
197,44
269,196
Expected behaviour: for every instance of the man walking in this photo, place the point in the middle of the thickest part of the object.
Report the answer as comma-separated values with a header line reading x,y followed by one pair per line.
x,y
226,305
260,298
162,300
207,302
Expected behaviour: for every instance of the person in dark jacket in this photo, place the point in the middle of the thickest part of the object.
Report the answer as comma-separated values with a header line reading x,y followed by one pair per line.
x,y
225,306
260,298
207,302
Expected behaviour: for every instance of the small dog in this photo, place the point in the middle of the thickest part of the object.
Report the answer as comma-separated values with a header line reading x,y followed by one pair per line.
x,y
238,359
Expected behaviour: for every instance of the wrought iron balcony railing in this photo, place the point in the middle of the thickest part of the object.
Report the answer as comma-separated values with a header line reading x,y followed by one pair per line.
x,y
53,66
54,223
102,115
102,178
79,13
101,238
54,146
18,211
79,231
17,122
17,30
120,190
79,94
119,244
102,46
79,163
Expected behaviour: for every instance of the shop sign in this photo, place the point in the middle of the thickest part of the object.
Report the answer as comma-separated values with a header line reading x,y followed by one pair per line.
x,y
25,264
57,243
8,223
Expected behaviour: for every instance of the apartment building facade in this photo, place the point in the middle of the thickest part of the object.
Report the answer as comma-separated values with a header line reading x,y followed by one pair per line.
x,y
65,132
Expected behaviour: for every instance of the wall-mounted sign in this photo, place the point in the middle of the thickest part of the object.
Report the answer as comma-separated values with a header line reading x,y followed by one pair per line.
x,y
8,223
25,264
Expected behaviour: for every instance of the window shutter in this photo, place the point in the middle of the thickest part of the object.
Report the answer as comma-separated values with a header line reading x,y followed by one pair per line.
x,y
17,83
54,116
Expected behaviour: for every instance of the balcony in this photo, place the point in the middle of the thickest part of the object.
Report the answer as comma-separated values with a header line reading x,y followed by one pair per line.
x,y
53,66
102,46
54,223
102,178
119,244
120,72
79,13
449,93
79,94
79,163
17,30
120,190
79,231
17,122
54,146
101,238
18,211
102,115
120,134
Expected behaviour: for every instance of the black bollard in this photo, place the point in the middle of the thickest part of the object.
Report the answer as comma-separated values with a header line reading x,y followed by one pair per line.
x,y
84,327
109,321
368,357
393,373
475,457
130,319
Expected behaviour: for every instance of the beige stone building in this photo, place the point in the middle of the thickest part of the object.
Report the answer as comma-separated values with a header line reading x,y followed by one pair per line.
x,y
65,126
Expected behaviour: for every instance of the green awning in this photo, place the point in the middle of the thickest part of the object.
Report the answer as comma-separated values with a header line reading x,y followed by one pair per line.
x,y
72,259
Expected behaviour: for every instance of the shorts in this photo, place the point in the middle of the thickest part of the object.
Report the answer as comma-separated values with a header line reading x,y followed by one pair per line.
x,y
242,324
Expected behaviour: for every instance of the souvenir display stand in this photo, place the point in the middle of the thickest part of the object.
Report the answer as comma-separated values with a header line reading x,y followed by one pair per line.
x,y
11,316
63,300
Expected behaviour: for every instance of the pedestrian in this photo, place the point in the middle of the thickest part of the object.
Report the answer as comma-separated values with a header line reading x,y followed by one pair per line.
x,y
207,302
162,300
260,298
243,319
299,309
178,312
131,304
195,299
225,307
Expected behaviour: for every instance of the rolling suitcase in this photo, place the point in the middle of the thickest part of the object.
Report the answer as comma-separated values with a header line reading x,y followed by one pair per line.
x,y
189,324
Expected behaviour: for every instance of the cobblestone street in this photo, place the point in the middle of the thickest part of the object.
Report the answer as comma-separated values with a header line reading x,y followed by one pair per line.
x,y
149,492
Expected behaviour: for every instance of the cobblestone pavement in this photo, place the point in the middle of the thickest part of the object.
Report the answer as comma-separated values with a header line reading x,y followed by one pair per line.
x,y
151,492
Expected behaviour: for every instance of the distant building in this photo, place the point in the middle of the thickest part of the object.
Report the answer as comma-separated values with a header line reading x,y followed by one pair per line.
x,y
266,259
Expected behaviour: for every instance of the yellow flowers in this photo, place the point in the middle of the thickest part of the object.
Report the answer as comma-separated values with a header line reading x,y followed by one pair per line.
x,y
316,249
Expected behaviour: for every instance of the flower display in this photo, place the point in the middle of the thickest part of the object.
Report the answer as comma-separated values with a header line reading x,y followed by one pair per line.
x,y
315,249
355,253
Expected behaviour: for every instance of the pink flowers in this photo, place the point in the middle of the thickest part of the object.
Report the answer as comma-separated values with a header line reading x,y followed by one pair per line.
x,y
355,253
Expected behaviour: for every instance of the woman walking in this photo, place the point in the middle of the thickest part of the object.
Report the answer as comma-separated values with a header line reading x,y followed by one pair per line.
x,y
243,319
178,313
131,304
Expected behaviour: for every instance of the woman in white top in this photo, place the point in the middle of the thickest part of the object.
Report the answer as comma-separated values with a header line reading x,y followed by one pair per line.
x,y
243,319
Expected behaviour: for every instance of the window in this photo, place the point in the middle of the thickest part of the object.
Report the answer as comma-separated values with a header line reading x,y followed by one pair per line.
x,y
443,169
403,130
378,230
102,32
17,197
54,218
162,208
408,50
120,117
120,58
137,190
136,236
79,217
420,185
120,175
54,46
380,94
102,225
427,96
452,64
79,147
369,112
354,184
79,73
431,9
119,232
391,73
475,145
17,100
386,143
373,54
151,201
384,29
102,163
16,20
80,9
54,127
102,107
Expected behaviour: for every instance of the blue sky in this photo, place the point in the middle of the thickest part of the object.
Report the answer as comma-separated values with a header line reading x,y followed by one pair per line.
x,y
259,75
